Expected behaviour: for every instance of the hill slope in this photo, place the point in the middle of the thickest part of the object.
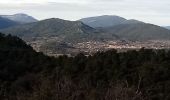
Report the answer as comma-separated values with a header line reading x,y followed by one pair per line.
x,y
106,21
55,36
28,75
67,30
5,23
139,31
17,60
20,18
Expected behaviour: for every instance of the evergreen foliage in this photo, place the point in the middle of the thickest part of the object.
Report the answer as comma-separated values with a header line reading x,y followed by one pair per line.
x,y
132,75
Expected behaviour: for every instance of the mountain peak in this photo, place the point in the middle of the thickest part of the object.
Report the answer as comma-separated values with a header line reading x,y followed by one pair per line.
x,y
62,21
21,14
55,20
112,16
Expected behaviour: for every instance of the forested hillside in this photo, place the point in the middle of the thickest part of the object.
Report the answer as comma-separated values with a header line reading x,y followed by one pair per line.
x,y
132,75
139,32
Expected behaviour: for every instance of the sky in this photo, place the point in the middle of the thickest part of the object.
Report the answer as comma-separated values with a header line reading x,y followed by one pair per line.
x,y
150,11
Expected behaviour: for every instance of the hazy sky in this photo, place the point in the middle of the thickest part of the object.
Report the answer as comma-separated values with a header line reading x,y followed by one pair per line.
x,y
151,11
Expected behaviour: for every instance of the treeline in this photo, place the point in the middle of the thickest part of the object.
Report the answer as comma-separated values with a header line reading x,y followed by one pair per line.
x,y
132,75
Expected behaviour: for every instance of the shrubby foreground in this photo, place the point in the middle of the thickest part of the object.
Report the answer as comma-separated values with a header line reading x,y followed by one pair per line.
x,y
132,75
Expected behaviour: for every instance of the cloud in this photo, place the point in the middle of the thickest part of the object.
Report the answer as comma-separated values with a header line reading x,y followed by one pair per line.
x,y
56,1
41,1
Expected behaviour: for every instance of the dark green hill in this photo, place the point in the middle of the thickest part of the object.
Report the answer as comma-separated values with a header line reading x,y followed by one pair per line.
x,y
47,35
66,30
17,58
61,30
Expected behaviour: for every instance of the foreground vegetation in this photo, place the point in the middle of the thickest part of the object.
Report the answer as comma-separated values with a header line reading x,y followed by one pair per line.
x,y
132,75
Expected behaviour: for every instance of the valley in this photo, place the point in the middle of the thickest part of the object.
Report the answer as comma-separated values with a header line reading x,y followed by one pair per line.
x,y
56,47
55,37
84,50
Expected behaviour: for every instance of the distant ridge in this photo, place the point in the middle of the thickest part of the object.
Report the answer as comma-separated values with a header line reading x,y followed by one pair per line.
x,y
107,21
5,23
20,18
167,27
58,36
54,27
139,32
78,31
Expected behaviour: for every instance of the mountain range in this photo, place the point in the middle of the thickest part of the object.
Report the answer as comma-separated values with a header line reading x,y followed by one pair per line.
x,y
54,33
100,27
65,30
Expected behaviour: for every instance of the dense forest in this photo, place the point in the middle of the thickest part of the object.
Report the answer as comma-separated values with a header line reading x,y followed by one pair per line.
x,y
110,75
